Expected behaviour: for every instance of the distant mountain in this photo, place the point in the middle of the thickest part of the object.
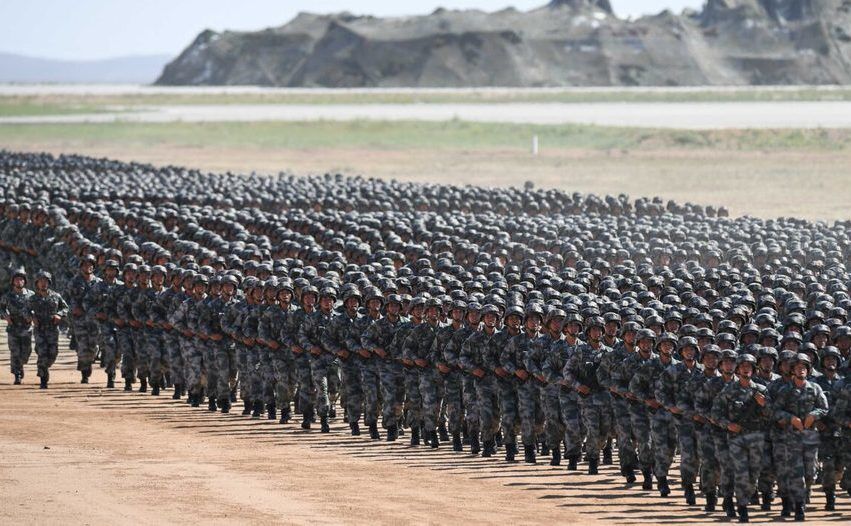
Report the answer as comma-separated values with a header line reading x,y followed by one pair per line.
x,y
142,69
564,43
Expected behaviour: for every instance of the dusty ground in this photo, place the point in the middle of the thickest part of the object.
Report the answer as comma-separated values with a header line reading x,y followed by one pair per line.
x,y
82,454
808,184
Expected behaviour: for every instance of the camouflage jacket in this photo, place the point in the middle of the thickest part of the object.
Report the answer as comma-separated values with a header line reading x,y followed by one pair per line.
x,y
840,411
124,297
512,356
582,367
536,356
557,357
765,381
289,332
608,373
689,395
491,358
800,401
250,323
473,351
44,308
273,323
441,339
231,318
17,307
311,329
673,380
643,382
339,337
98,301
77,291
379,334
735,404
418,344
396,349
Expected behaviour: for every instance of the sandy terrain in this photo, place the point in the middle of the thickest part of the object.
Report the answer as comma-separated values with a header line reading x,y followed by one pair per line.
x,y
82,454
694,116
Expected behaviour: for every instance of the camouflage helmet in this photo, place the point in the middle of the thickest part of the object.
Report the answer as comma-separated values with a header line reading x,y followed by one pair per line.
x,y
43,274
745,358
805,359
20,272
514,310
711,349
729,354
646,334
111,263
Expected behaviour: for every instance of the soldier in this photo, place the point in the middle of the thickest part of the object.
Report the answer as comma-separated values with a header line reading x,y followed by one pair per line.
x,y
84,326
830,382
509,421
704,404
100,300
528,391
534,362
48,311
413,400
272,327
662,426
840,414
249,327
799,406
417,349
370,362
124,338
742,408
786,360
225,363
378,340
613,378
581,374
485,360
210,336
290,336
156,317
340,339
310,334
14,308
472,351
138,320
766,360
452,375
169,300
639,412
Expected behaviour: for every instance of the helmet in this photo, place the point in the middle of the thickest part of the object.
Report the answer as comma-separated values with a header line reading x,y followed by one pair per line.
x,y
536,308
787,356
831,351
490,309
111,263
646,334
712,349
769,351
434,303
688,341
594,321
43,274
328,292
803,358
514,310
158,269
729,354
20,272
630,326
88,259
745,358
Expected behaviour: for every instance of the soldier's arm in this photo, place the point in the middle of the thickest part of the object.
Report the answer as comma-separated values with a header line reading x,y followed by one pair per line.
x,y
328,338
821,408
467,359
779,407
62,310
664,387
506,357
720,410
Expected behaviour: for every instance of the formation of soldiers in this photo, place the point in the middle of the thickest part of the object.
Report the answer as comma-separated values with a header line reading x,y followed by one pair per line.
x,y
570,326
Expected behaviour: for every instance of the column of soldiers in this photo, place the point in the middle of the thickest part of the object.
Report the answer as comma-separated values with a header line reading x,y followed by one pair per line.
x,y
594,328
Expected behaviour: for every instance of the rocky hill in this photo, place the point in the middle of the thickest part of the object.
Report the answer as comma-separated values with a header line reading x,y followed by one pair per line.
x,y
564,43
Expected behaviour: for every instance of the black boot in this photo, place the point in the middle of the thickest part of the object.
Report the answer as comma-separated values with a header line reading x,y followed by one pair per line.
x,y
196,399
510,452
306,419
556,460
84,378
332,412
545,449
787,507
246,407
691,500
829,500
711,501
743,514
143,385
767,499
323,425
415,436
529,454
663,487
285,415
225,405
572,462
729,508
648,479
355,428
211,404
607,455
271,411
434,441
373,432
128,384
43,384
18,378
593,464
392,433
258,409
110,382
629,473
799,512
442,434
456,442
176,394
755,498
232,395
490,448
155,388
475,446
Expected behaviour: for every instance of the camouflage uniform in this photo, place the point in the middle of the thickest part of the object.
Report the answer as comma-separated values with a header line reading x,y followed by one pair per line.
x,y
513,359
340,337
46,332
801,447
767,475
687,401
453,380
840,413
304,380
612,376
473,351
418,346
672,382
662,426
207,324
310,334
829,434
581,369
19,332
413,405
549,392
85,327
226,362
124,333
704,402
277,381
370,367
100,302
380,335
231,322
509,416
169,299
155,346
568,399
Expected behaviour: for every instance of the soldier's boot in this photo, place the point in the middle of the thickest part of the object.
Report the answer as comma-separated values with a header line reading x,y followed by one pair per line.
x,y
572,462
43,384
607,455
196,399
323,425
663,487
155,388
285,415
232,394
110,381
83,378
510,452
476,447
415,436
593,464
829,500
18,377
648,479
800,511
332,412
767,499
755,498
688,490
456,442
211,405
306,419
529,454
224,405
434,441
246,407
629,473
711,501
128,384
355,428
143,385
271,411
490,449
545,449
729,507
258,409
787,507
498,439
743,514
373,432
441,431
556,460
392,433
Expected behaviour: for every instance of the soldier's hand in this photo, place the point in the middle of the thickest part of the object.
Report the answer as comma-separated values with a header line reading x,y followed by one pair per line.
x,y
796,423
443,368
584,389
343,354
760,399
364,353
57,319
216,337
734,428
676,410
478,373
652,402
35,323
522,374
100,316
809,421
297,350
541,378
77,312
502,373
420,362
699,419
380,352
315,351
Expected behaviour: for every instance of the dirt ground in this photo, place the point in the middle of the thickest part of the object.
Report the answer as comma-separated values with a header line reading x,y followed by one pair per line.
x,y
808,184
82,454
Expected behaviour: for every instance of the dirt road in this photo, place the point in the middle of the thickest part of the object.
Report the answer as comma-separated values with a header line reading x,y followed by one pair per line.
x,y
82,454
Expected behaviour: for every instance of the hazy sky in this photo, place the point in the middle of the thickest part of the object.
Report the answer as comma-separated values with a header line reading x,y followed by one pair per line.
x,y
90,29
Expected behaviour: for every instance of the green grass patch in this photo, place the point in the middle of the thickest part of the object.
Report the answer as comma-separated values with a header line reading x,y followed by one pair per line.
x,y
407,135
29,108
